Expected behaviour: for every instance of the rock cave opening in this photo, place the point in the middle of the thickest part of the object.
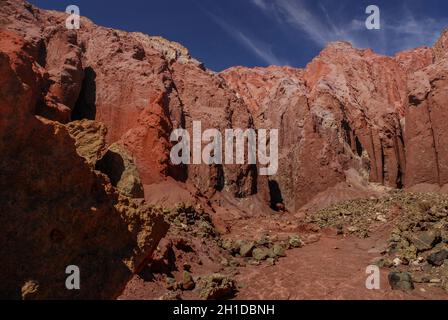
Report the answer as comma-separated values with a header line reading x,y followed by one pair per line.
x,y
112,165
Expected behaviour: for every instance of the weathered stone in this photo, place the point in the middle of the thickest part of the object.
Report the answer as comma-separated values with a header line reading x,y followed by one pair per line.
x,y
216,286
187,281
401,281
260,254
408,253
425,240
279,250
270,261
90,139
295,242
438,258
246,248
58,212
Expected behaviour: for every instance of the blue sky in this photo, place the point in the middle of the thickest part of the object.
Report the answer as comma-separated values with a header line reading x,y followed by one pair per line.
x,y
225,33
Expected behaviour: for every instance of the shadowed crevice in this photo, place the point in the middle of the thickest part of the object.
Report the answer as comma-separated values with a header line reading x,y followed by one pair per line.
x,y
85,106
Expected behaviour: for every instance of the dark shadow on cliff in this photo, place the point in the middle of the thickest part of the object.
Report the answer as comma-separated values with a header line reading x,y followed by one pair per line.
x,y
275,194
85,106
112,165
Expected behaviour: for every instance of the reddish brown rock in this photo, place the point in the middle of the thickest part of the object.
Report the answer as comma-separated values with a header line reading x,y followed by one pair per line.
x,y
426,119
343,111
350,122
55,210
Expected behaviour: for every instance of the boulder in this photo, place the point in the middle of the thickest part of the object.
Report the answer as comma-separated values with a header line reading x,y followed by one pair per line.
x,y
438,258
279,249
216,286
425,240
260,254
295,242
187,281
401,281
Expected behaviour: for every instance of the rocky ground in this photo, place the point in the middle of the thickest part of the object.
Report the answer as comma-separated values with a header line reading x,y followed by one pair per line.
x,y
323,256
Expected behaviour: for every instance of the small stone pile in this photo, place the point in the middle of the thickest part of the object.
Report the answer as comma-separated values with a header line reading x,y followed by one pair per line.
x,y
191,219
357,217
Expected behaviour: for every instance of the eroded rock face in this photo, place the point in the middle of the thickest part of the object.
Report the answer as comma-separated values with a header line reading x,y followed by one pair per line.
x,y
55,210
343,111
346,110
426,119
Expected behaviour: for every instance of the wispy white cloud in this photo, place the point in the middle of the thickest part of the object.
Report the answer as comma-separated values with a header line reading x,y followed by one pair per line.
x,y
262,50
258,47
298,15
409,32
402,32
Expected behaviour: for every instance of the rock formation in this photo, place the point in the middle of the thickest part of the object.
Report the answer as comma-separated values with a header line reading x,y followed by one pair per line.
x,y
85,125
55,210
425,138
348,109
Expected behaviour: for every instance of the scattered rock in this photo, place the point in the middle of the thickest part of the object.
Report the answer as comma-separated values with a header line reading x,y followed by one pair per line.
x,y
401,281
216,286
397,262
438,258
339,229
279,250
385,263
264,240
270,261
171,295
171,283
425,240
246,248
435,281
187,281
420,278
30,289
352,229
295,242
